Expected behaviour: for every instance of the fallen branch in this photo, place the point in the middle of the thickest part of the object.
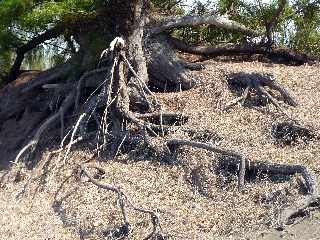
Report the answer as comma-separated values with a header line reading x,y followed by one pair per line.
x,y
123,200
278,54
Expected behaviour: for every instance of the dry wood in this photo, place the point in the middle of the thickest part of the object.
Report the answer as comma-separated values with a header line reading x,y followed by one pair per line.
x,y
285,55
167,72
123,200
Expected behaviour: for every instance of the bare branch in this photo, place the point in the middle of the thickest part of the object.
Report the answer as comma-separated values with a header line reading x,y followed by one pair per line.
x,y
274,20
213,20
283,54
33,43
123,200
218,50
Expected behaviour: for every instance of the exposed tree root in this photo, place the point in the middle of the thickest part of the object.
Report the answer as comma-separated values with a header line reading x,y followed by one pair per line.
x,y
167,72
124,204
118,121
113,95
32,144
174,143
49,76
127,65
165,118
258,82
243,165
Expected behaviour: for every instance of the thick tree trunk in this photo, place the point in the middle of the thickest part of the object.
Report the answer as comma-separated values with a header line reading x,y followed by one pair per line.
x,y
129,23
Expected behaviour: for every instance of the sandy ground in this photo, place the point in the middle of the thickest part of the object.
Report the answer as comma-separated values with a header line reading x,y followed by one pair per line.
x,y
192,198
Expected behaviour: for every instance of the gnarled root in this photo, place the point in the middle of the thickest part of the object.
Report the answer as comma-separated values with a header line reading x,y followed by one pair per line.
x,y
174,143
244,166
117,121
51,120
258,82
113,96
124,203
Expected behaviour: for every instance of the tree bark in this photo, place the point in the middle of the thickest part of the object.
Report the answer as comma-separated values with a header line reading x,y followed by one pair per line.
x,y
166,70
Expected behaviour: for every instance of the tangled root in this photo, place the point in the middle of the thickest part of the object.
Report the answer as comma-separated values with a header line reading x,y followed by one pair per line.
x,y
257,82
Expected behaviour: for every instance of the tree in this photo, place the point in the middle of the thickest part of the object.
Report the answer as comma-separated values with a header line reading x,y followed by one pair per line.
x,y
113,88
146,47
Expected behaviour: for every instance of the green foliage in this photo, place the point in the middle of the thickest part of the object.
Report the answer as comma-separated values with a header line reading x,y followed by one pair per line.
x,y
297,27
168,7
30,14
57,11
207,34
306,21
20,20
12,10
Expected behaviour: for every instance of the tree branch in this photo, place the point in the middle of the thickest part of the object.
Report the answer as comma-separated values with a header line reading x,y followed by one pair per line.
x,y
214,20
33,43
280,54
274,20
219,50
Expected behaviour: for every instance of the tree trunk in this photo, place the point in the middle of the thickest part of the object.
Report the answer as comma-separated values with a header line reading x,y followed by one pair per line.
x,y
167,72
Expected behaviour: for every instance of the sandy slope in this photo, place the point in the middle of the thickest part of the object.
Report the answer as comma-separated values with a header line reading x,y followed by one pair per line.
x,y
193,200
